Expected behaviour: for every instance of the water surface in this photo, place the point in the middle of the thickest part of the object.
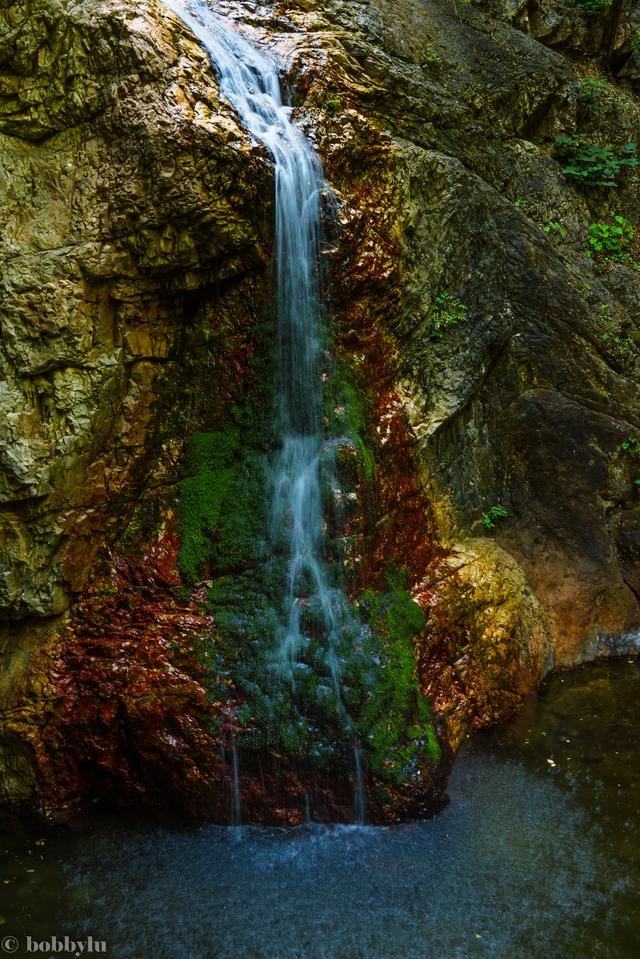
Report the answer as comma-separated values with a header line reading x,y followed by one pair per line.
x,y
536,856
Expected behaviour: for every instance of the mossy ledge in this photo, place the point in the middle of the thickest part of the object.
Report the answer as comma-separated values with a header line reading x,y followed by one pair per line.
x,y
296,740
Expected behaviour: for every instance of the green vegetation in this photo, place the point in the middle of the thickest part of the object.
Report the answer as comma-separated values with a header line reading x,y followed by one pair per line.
x,y
220,512
346,415
430,56
554,229
495,512
612,338
446,312
611,240
208,467
590,94
530,207
380,700
593,7
631,446
592,164
393,715
302,719
221,516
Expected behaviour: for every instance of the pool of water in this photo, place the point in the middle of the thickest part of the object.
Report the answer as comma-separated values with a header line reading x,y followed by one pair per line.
x,y
537,855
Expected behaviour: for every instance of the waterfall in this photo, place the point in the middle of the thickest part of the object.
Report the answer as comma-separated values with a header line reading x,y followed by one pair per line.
x,y
249,81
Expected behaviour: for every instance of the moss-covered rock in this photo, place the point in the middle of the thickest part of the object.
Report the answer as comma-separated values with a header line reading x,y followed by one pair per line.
x,y
356,690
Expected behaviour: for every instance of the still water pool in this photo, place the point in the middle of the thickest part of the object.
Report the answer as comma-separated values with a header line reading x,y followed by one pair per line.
x,y
536,857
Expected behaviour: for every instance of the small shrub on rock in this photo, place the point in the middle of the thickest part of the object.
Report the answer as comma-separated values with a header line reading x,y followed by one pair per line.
x,y
592,164
446,312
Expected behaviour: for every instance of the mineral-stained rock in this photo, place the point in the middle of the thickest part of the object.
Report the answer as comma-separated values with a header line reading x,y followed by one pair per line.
x,y
135,231
130,196
489,629
440,140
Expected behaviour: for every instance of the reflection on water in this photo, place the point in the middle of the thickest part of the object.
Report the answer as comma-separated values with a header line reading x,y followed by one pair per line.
x,y
536,856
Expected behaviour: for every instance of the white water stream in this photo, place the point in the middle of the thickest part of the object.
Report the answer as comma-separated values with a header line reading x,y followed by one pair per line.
x,y
249,81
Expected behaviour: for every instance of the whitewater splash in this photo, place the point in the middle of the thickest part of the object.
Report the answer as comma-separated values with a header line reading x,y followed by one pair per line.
x,y
249,81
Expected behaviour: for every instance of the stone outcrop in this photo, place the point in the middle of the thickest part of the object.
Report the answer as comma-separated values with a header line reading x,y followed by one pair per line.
x,y
136,224
109,225
441,143
135,217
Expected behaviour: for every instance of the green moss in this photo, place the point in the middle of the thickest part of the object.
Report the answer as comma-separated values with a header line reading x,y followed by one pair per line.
x,y
433,746
223,527
223,522
210,470
394,717
221,512
347,415
275,716
380,699
358,423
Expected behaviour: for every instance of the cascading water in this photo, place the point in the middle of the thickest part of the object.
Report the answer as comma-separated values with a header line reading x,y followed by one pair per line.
x,y
249,81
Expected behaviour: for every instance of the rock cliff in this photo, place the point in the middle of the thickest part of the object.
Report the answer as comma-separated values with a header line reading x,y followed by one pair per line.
x,y
492,363
136,227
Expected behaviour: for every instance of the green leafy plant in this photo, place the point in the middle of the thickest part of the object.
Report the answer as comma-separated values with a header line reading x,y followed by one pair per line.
x,y
493,513
611,240
631,446
589,94
554,229
593,7
530,207
592,164
447,311
430,56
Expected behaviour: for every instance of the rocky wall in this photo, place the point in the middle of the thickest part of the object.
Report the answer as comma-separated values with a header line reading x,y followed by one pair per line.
x,y
493,362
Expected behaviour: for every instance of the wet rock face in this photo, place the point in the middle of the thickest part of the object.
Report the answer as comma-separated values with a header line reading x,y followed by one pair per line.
x,y
440,139
497,364
110,229
130,198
